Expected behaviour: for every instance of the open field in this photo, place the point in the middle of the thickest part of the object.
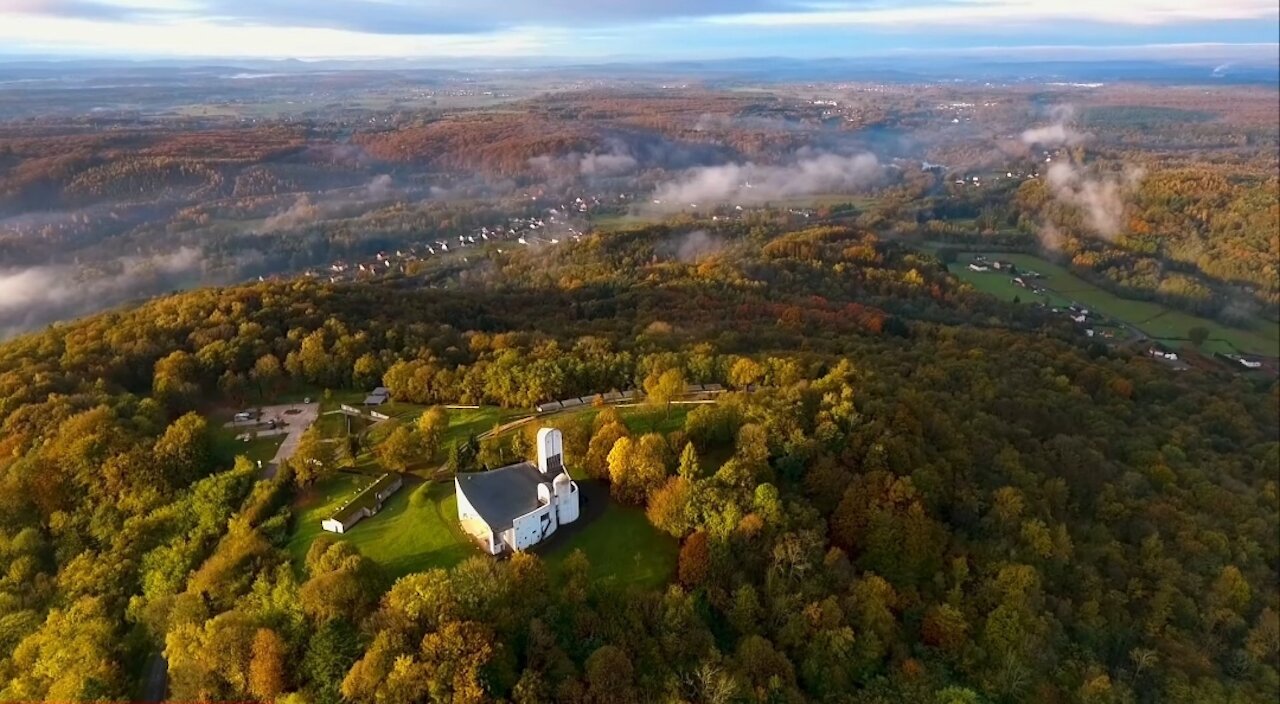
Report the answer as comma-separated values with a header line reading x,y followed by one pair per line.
x,y
1154,319
623,547
227,448
403,537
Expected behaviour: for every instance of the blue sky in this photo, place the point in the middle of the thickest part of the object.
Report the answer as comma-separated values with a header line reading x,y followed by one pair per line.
x,y
600,29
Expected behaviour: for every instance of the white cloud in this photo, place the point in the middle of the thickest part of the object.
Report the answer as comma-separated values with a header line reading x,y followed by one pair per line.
x,y
208,37
1004,12
755,183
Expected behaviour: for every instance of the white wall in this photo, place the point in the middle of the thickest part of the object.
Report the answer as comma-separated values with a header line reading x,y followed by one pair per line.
x,y
472,523
332,526
566,501
528,529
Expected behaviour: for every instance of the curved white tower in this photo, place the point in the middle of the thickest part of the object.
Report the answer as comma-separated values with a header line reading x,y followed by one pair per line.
x,y
550,451
566,498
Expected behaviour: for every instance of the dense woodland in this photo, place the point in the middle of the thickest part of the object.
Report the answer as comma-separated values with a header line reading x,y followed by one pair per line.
x,y
929,496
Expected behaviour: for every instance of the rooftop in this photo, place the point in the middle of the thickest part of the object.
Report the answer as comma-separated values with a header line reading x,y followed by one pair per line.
x,y
367,498
502,495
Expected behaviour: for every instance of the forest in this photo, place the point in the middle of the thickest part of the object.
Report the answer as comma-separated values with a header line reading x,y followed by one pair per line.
x,y
910,492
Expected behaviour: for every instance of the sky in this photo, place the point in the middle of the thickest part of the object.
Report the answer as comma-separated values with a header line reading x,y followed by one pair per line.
x,y
605,29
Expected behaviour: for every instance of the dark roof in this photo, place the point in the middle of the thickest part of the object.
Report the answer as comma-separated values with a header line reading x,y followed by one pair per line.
x,y
502,495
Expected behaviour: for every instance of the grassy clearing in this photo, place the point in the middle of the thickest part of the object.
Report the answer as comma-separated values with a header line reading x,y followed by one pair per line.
x,y
412,535
1154,319
623,548
623,221
226,447
407,536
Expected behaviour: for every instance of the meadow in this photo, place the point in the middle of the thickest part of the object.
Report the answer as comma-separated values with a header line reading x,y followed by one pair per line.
x,y
416,530
1154,319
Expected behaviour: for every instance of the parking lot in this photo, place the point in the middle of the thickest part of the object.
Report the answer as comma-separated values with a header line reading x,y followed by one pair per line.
x,y
290,420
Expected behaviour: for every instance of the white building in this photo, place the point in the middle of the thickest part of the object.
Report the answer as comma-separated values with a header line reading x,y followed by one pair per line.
x,y
522,504
363,505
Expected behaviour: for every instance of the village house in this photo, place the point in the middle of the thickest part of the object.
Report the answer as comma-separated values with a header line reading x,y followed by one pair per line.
x,y
518,506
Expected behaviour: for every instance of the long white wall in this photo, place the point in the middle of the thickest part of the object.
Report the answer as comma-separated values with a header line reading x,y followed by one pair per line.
x,y
473,523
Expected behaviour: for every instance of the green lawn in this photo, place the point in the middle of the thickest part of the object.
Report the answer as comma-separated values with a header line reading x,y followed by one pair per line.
x,y
465,423
403,537
226,447
623,548
1155,319
640,418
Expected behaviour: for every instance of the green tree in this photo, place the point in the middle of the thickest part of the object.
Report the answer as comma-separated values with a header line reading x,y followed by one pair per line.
x,y
432,426
663,388
314,459
268,374
1198,335
184,453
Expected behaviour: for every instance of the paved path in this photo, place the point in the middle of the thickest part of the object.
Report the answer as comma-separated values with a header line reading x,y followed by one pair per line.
x,y
292,421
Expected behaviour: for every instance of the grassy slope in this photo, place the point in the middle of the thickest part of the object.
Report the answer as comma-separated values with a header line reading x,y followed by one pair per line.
x,y
403,538
1156,320
623,548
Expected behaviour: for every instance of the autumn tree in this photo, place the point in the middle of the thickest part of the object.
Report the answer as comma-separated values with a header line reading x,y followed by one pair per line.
x,y
401,448
695,559
602,443
745,372
661,388
314,458
268,374
432,425
267,673
671,506
637,468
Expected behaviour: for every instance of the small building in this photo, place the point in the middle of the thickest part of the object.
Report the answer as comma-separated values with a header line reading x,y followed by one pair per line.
x,y
377,397
365,504
518,506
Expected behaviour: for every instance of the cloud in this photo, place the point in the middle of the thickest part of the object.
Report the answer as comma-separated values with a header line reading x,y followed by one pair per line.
x,y
1101,197
304,210
381,188
1058,134
395,17
37,295
615,162
1000,13
749,183
693,247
